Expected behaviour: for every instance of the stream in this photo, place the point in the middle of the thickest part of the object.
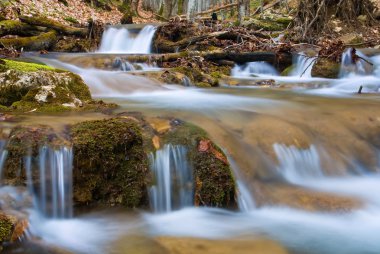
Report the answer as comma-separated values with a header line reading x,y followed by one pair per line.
x,y
316,136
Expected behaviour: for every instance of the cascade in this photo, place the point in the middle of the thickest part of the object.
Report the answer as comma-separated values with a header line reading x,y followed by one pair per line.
x,y
3,156
296,164
254,68
349,68
173,188
303,66
53,196
121,40
246,201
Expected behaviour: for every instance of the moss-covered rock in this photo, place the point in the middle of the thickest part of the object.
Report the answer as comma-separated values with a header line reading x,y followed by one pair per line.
x,y
325,68
214,182
29,86
288,70
110,165
12,226
42,41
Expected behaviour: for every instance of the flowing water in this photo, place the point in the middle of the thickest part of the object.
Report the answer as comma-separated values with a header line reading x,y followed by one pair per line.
x,y
173,181
301,156
121,40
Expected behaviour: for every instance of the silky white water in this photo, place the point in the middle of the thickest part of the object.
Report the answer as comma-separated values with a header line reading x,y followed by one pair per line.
x,y
3,156
298,164
53,197
230,114
173,181
120,40
303,66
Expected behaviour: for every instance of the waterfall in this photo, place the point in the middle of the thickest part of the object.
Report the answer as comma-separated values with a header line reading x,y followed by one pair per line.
x,y
3,156
173,185
53,196
121,40
246,202
296,164
303,66
352,68
254,68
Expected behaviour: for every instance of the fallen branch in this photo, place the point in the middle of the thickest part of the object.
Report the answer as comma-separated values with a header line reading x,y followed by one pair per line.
x,y
14,27
169,46
45,22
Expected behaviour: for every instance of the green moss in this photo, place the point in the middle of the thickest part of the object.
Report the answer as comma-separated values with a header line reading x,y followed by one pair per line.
x,y
283,20
25,106
113,150
325,68
288,70
6,227
71,20
203,84
265,24
26,67
33,43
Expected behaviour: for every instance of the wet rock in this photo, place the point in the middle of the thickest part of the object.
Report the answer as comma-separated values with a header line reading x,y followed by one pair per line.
x,y
265,131
325,68
30,87
110,164
300,198
194,245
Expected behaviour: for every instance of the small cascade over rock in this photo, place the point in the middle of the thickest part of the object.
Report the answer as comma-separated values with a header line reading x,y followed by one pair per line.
x,y
173,179
303,65
3,155
296,164
254,68
121,40
122,65
245,199
53,194
354,63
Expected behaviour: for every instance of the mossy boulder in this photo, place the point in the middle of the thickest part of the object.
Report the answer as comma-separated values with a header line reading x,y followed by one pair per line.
x,y
110,165
29,86
213,179
325,68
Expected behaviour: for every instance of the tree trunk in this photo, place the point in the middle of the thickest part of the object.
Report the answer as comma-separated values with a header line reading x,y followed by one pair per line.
x,y
243,9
